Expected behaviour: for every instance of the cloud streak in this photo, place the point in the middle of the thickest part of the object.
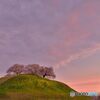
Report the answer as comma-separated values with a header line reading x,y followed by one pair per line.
x,y
80,55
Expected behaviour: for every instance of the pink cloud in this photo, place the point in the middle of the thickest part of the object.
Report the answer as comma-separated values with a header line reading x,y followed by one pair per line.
x,y
93,86
86,85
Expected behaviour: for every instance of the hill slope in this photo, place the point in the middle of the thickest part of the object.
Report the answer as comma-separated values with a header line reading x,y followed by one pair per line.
x,y
29,87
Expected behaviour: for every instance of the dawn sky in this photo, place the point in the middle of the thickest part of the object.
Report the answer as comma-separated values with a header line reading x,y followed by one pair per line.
x,y
64,34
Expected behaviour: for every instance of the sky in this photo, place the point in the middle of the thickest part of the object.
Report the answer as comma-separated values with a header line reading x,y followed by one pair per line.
x,y
64,34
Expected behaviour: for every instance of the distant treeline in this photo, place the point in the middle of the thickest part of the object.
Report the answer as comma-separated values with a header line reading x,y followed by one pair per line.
x,y
34,69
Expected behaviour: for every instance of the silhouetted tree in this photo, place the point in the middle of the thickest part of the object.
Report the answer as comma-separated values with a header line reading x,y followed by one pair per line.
x,y
16,69
42,71
47,72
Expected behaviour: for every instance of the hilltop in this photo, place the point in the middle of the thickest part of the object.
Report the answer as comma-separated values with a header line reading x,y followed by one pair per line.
x,y
32,87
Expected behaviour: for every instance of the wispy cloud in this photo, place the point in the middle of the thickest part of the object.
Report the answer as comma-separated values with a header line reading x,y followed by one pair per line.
x,y
82,54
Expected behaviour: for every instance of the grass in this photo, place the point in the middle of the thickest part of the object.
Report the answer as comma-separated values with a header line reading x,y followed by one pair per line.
x,y
31,87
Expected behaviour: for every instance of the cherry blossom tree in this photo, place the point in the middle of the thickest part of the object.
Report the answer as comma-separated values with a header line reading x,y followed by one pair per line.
x,y
16,69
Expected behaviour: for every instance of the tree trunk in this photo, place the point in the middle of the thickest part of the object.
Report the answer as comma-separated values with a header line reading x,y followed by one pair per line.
x,y
44,75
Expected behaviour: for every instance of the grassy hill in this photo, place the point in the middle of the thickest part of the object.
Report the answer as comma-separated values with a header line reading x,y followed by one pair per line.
x,y
31,87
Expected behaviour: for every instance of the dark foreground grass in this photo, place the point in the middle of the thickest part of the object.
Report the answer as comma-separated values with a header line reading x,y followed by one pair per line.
x,y
29,87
